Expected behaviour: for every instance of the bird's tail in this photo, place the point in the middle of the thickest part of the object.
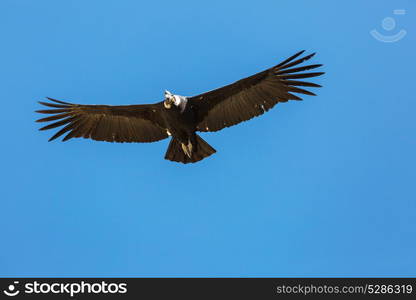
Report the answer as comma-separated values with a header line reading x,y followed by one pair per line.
x,y
190,153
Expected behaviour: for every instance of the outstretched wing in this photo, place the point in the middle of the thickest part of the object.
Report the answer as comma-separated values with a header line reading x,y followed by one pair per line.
x,y
254,95
131,123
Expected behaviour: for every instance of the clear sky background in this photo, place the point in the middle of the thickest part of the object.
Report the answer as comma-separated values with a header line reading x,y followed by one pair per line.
x,y
323,187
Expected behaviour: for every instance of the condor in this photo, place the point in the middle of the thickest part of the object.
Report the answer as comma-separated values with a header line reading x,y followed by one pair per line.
x,y
181,117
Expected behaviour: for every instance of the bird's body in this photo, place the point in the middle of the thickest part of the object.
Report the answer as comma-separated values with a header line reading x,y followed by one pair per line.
x,y
180,120
182,117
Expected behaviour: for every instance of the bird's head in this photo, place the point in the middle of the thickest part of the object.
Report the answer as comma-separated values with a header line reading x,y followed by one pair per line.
x,y
169,99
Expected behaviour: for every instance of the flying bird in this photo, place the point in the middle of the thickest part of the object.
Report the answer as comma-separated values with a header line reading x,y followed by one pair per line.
x,y
182,117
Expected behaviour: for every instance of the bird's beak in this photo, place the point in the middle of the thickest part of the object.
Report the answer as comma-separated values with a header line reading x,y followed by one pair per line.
x,y
168,102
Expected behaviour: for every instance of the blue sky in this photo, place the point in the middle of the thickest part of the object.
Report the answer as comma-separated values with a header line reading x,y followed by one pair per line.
x,y
323,187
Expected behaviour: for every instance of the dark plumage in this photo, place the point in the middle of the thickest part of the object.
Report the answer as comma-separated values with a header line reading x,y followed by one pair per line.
x,y
181,117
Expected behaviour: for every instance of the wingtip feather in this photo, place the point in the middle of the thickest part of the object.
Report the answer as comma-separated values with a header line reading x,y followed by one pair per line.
x,y
58,101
